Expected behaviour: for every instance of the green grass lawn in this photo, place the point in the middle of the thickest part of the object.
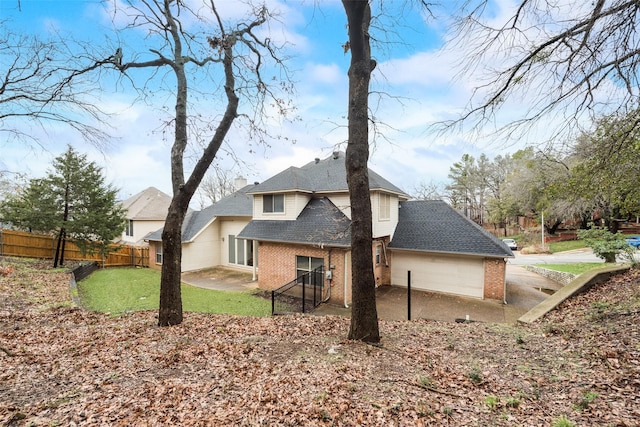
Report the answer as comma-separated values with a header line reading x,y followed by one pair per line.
x,y
577,268
120,290
567,245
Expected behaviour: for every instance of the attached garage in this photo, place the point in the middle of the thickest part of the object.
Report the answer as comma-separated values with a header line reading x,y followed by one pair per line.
x,y
457,275
446,252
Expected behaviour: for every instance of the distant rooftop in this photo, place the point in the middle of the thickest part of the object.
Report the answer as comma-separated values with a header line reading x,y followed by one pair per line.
x,y
149,204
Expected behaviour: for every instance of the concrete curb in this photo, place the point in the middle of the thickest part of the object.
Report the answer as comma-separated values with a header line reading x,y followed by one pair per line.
x,y
579,284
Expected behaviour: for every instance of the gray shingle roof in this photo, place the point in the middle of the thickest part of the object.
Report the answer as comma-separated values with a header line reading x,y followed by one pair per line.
x,y
149,204
434,226
237,204
319,223
328,175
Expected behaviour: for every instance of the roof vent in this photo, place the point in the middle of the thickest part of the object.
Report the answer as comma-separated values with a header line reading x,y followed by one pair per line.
x,y
256,183
317,159
336,154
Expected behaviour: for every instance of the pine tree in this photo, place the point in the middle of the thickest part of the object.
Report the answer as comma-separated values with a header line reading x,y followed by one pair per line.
x,y
72,202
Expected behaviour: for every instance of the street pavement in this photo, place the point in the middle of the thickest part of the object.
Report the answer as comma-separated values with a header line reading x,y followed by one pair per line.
x,y
568,257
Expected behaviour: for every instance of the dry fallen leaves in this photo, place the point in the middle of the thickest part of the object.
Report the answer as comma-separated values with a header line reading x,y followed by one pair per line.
x,y
61,365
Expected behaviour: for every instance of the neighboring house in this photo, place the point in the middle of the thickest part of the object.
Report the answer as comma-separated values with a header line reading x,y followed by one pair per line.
x,y
300,219
146,212
208,236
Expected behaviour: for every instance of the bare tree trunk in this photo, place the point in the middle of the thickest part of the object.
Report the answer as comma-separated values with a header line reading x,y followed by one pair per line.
x,y
58,246
170,310
364,315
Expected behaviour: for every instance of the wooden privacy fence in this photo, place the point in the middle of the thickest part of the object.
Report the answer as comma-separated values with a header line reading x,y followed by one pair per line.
x,y
22,244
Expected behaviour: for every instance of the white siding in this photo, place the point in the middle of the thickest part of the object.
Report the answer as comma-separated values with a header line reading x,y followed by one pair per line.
x,y
342,202
384,227
293,205
204,251
140,229
439,273
298,202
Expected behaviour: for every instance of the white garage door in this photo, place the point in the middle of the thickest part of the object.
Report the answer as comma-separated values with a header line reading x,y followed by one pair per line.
x,y
452,275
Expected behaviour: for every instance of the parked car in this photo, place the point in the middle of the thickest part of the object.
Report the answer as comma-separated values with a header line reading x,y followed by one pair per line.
x,y
633,241
513,245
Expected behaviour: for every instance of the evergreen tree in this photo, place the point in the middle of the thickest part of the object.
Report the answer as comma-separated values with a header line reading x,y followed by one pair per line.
x,y
72,202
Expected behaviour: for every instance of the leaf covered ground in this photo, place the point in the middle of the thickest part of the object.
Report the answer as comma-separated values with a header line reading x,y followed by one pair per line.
x,y
61,365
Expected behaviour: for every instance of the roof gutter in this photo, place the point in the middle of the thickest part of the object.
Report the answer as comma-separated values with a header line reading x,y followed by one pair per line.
x,y
475,254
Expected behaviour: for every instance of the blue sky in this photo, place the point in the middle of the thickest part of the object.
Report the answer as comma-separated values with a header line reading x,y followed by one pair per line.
x,y
414,73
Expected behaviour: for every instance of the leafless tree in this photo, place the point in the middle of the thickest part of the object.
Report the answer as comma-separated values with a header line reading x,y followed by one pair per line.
x,y
567,61
217,183
37,90
364,315
431,190
237,57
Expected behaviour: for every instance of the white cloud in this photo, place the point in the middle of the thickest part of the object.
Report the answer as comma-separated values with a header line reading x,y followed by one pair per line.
x,y
328,74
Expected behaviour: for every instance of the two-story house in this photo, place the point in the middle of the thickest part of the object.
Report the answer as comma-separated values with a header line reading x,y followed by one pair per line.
x,y
300,219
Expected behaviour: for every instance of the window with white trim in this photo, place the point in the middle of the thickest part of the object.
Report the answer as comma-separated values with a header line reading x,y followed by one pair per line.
x,y
384,207
273,203
159,253
306,264
129,229
240,251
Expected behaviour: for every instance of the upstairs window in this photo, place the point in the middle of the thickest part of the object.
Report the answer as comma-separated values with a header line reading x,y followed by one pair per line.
x,y
273,203
384,207
129,230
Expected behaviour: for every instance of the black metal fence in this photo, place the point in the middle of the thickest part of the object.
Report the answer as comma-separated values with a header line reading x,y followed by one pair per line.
x,y
84,270
300,295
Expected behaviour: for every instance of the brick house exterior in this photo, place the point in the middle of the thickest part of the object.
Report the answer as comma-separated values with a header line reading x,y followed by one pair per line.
x,y
494,278
300,219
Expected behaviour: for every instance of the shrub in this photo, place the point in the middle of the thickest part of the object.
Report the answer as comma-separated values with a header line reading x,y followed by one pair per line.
x,y
605,244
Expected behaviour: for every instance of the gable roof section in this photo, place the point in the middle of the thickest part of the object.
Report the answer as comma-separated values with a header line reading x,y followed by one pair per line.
x,y
434,226
324,176
236,204
149,204
319,223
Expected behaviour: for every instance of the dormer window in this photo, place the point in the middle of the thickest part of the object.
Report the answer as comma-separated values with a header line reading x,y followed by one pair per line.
x,y
384,213
273,203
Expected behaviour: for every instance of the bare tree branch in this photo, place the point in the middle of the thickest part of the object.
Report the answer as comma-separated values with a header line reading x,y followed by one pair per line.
x,y
580,60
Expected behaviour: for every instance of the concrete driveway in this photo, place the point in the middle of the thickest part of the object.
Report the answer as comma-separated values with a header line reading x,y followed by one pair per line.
x,y
525,290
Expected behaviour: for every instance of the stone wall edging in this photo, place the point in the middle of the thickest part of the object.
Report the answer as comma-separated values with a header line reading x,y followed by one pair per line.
x,y
557,276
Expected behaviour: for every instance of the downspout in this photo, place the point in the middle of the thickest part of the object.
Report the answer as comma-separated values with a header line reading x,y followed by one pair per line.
x,y
254,243
384,251
345,280
504,281
329,269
